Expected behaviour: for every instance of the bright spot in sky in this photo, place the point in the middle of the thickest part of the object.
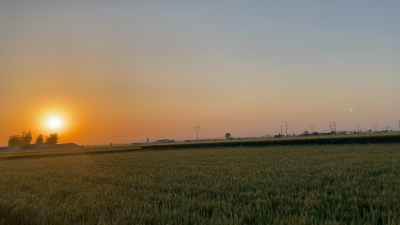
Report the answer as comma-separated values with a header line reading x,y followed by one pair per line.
x,y
54,122
350,110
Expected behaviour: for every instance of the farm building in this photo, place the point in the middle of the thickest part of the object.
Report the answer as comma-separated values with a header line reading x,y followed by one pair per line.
x,y
164,141
194,140
67,145
145,143
13,148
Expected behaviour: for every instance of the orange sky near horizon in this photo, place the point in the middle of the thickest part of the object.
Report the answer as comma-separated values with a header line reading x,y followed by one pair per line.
x,y
125,73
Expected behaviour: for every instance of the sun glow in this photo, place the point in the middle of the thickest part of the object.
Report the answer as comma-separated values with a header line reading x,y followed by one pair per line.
x,y
54,122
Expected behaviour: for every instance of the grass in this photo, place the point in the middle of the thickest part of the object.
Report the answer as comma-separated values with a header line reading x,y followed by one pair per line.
x,y
341,184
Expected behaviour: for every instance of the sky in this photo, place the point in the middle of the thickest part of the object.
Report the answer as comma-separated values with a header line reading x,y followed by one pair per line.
x,y
124,71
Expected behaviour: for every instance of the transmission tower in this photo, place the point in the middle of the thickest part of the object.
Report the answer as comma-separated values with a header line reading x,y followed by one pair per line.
x,y
333,127
197,131
281,130
286,127
311,128
375,126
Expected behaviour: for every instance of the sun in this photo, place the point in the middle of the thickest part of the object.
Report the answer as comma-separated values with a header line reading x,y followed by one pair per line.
x,y
54,122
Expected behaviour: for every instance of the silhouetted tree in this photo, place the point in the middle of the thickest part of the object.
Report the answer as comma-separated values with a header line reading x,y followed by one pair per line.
x,y
306,133
22,141
13,140
227,135
52,139
39,139
25,139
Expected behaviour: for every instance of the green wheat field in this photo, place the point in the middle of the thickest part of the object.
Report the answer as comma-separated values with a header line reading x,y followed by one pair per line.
x,y
341,184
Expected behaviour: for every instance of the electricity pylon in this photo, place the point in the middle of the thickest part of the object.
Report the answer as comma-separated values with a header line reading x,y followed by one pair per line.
x,y
197,131
311,128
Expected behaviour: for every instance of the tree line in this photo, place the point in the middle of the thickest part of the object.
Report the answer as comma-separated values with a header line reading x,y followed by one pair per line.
x,y
24,140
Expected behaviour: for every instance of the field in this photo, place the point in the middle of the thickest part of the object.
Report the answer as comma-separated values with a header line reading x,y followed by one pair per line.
x,y
339,184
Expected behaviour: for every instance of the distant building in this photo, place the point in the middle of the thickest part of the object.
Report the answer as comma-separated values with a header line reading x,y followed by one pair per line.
x,y
67,145
145,143
164,141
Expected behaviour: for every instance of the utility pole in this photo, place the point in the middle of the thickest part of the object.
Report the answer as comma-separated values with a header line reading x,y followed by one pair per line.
x,y
197,131
311,128
330,125
387,128
358,129
281,130
286,127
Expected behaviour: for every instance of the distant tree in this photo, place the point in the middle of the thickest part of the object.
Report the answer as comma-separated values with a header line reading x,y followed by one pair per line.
x,y
25,139
52,139
227,135
306,133
13,140
22,140
39,139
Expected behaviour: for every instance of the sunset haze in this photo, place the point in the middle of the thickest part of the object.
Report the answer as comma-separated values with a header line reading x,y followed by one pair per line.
x,y
125,71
